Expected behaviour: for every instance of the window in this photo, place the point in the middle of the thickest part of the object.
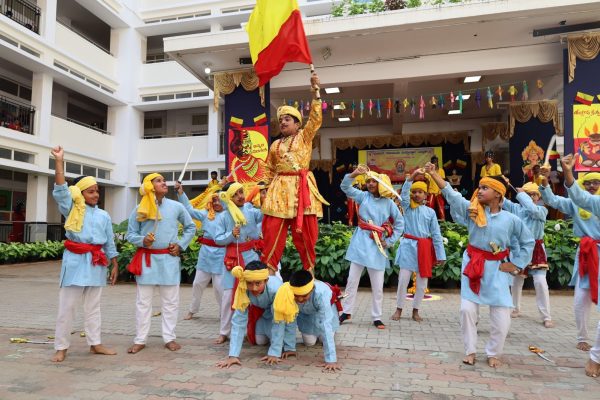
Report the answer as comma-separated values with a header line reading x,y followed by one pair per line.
x,y
200,119
167,175
25,93
222,172
153,123
9,86
88,171
221,142
73,168
183,95
200,175
149,98
51,163
5,153
103,174
22,157
166,97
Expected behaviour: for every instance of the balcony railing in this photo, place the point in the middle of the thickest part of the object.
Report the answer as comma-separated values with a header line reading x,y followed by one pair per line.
x,y
17,116
94,127
22,12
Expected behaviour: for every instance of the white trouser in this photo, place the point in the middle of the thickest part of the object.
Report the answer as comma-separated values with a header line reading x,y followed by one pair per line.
x,y
376,278
262,340
69,298
169,306
200,283
311,340
226,313
582,306
595,351
499,325
542,295
403,282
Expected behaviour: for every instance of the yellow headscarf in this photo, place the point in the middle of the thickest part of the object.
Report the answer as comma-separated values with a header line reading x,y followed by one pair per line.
x,y
74,221
254,196
147,208
476,211
236,213
418,185
284,306
383,191
241,301
531,187
209,206
289,110
590,176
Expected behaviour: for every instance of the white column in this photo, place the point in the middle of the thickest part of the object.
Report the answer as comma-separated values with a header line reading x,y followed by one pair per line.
x,y
41,99
213,132
37,206
47,19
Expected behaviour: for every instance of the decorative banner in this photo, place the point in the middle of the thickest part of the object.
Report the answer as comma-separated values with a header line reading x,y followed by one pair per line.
x,y
396,163
528,147
586,137
248,150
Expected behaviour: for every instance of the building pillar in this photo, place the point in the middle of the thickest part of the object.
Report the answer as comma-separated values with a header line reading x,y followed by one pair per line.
x,y
48,19
36,208
213,132
41,99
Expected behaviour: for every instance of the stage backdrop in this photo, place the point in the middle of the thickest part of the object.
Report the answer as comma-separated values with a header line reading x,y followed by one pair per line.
x,y
577,116
247,134
527,148
396,163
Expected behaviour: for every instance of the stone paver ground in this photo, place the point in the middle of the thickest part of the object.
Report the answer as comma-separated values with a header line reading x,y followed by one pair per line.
x,y
407,360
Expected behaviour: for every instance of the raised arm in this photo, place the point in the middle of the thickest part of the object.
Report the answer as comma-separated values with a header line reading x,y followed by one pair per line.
x,y
580,197
350,191
199,215
528,206
315,118
59,167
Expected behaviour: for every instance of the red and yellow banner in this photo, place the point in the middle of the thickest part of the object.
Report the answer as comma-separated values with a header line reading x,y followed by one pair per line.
x,y
586,137
248,150
276,36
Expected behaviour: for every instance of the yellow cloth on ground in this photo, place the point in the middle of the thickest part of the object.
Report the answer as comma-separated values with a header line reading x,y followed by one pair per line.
x,y
74,221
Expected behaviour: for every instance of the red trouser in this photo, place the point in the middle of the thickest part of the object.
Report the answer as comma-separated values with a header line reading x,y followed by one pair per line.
x,y
436,201
274,232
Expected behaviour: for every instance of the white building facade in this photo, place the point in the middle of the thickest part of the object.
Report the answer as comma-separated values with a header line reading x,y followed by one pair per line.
x,y
125,85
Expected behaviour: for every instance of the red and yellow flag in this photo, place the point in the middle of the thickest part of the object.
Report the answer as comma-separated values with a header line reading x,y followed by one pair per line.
x,y
276,36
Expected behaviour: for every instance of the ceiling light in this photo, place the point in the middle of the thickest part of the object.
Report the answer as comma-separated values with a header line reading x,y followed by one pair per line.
x,y
453,112
207,70
472,79
207,66
344,119
466,97
337,107
332,90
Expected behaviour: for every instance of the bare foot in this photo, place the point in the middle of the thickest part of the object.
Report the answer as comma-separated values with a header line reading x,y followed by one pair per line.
x,y
189,316
583,346
469,359
416,316
173,345
396,316
548,324
220,340
592,369
100,349
136,348
59,356
494,362
515,314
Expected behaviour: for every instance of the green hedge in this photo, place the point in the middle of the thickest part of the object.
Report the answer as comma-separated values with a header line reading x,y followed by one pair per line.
x,y
331,249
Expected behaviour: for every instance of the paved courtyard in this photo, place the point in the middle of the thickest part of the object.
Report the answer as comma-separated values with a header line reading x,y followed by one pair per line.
x,y
407,360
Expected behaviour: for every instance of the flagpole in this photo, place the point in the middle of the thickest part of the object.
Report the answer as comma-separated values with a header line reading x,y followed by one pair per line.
x,y
317,88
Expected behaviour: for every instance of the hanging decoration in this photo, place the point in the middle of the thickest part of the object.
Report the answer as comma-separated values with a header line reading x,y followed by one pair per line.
x,y
452,98
478,98
512,90
540,85
525,95
421,108
460,102
397,106
405,104
378,109
362,108
413,103
353,109
490,98
433,102
499,92
389,108
441,101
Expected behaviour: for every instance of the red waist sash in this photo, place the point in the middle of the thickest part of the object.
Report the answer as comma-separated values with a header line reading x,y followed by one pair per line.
x,y
303,195
233,253
588,263
98,256
135,266
208,242
539,254
425,254
379,230
475,268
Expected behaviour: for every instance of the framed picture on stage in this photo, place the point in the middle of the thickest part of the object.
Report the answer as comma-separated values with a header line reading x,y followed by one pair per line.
x,y
586,137
396,163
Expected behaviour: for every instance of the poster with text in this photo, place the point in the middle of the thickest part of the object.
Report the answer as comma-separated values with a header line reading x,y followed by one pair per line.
x,y
586,137
396,163
248,148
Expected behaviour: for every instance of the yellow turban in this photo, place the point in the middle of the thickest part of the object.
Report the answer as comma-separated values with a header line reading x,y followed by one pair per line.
x,y
284,305
289,110
241,301
476,211
236,213
147,209
74,221
383,190
418,185
254,195
531,187
590,176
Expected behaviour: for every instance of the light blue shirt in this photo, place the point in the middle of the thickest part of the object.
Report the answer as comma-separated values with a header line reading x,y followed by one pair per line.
x,y
420,222
77,269
320,318
581,227
210,258
362,249
281,335
164,269
534,217
506,231
249,231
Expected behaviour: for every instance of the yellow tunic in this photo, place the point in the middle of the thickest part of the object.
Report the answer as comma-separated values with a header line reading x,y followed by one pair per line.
x,y
433,187
291,154
213,182
494,170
